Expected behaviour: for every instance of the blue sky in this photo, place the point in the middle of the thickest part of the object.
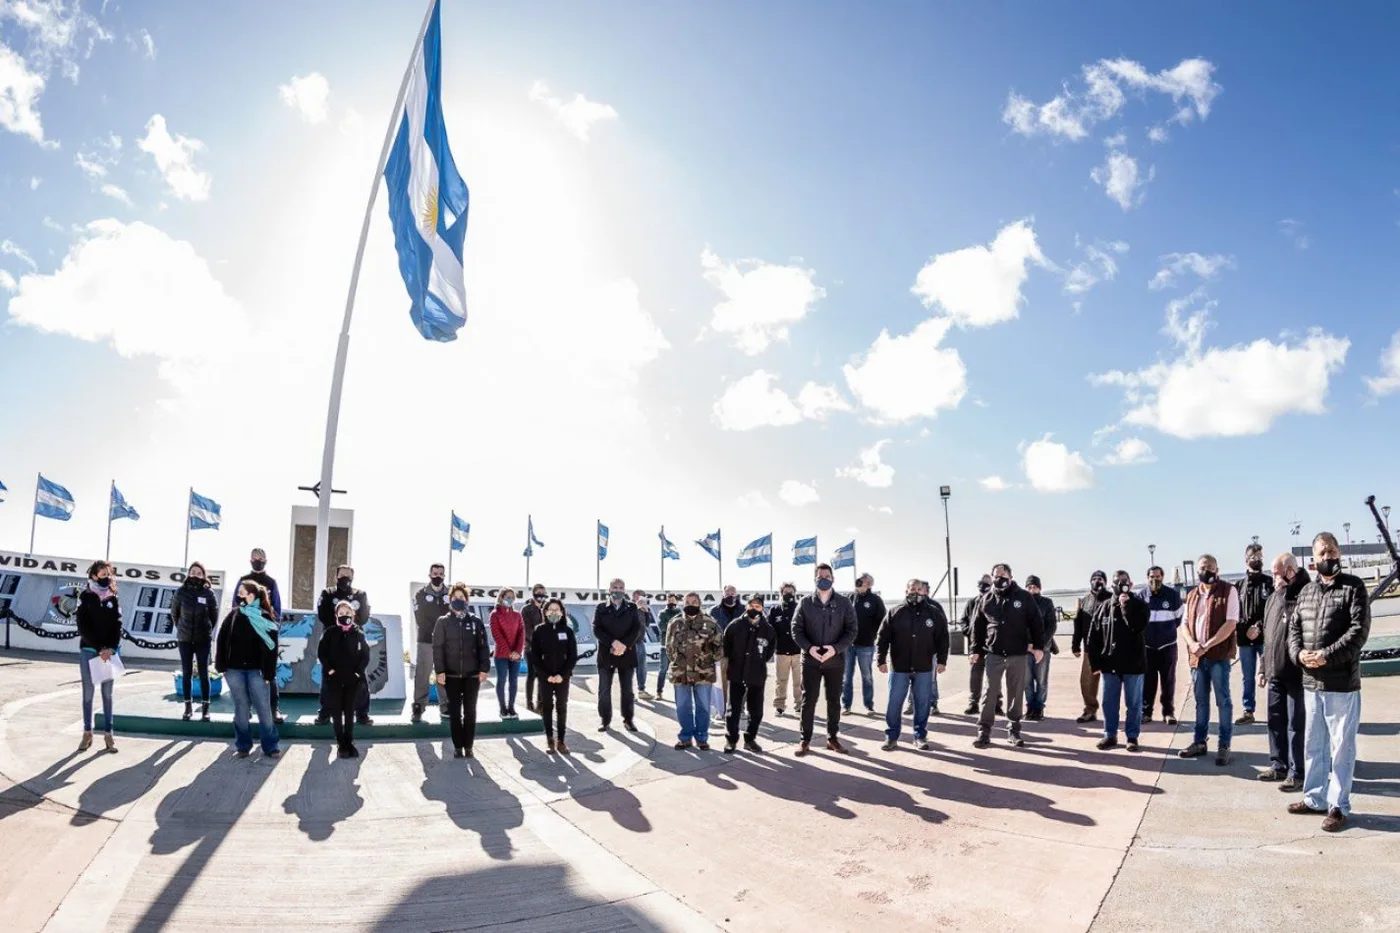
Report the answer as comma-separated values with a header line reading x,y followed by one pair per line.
x,y
182,333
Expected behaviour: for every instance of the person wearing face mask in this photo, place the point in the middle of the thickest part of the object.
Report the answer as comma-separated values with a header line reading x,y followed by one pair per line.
x,y
532,615
789,655
194,611
870,612
976,670
1038,674
663,620
1006,629
555,650
344,589
1326,633
257,562
1212,613
344,656
1254,592
429,603
1281,678
748,644
616,629
725,611
462,658
694,643
1164,612
1118,654
648,623
1089,605
508,635
824,627
914,639
99,621
246,654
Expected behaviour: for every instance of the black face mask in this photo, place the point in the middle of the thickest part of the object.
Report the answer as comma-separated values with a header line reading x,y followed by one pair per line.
x,y
692,611
1329,567
257,565
754,613
435,580
1256,565
730,600
914,599
789,599
539,597
1001,583
670,607
983,586
1207,577
343,583
194,583
103,582
1097,586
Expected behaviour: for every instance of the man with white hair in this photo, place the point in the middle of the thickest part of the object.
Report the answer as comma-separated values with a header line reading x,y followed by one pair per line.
x,y
1282,678
1212,613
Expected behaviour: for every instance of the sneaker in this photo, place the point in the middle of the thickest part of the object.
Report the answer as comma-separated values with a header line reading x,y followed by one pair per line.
x,y
1106,743
1015,740
833,744
1223,756
889,746
1272,774
780,712
1292,785
751,746
1170,720
1146,717
276,717
1194,750
1246,720
530,705
322,719
241,754
982,741
909,709
1086,717
342,752
803,749
277,753
1302,809
417,716
922,745
871,713
971,710
683,746
645,696
467,753
1336,821
1001,709
1133,745
730,746
845,711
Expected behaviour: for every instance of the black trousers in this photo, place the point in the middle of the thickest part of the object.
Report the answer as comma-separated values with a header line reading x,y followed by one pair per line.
x,y
1161,665
361,699
826,678
554,703
340,704
1287,722
975,674
530,679
461,709
626,678
190,652
743,695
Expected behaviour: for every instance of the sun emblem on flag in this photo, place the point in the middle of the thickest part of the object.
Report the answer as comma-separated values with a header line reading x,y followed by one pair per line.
x,y
430,213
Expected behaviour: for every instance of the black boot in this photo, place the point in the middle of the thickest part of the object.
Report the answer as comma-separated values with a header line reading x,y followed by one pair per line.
x,y
204,712
417,713
189,710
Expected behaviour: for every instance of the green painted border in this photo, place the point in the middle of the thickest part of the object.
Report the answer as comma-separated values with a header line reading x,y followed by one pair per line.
x,y
1382,667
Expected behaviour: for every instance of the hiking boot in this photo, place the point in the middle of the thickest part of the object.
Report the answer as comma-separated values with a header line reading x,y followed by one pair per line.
x,y
1086,717
1272,775
833,744
1336,821
1223,756
889,746
982,740
751,746
971,710
729,746
1246,720
1106,743
1133,745
1194,750
1292,785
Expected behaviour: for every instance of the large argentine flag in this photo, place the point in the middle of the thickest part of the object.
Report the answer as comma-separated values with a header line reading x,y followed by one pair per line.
x,y
204,513
804,551
711,544
845,557
668,550
602,541
52,501
119,508
428,199
461,531
3,490
757,552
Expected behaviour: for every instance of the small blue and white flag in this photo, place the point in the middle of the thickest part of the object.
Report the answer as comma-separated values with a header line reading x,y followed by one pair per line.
x,y
119,507
711,544
3,490
428,199
461,531
668,550
531,542
204,513
804,552
845,557
52,501
759,551
602,541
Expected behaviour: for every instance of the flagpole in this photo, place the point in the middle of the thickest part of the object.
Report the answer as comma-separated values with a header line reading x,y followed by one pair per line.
x,y
529,546
188,502
451,549
323,505
34,519
663,561
597,558
770,561
719,546
111,494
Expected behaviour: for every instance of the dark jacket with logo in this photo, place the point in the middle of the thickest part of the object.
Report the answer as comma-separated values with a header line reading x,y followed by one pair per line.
x,y
460,645
617,622
346,653
195,612
1334,618
969,613
913,638
428,606
870,613
748,646
1277,665
1254,592
1049,619
780,617
817,624
99,621
264,580
325,608
240,648
554,649
1115,643
1007,623
1164,613
1084,616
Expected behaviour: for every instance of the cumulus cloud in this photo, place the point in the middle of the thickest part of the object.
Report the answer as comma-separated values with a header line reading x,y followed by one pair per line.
x,y
1129,451
116,193
20,89
308,95
993,483
754,401
1121,179
981,285
174,156
869,468
577,115
761,300
1100,264
1052,467
911,376
61,34
1175,265
798,494
1389,379
7,281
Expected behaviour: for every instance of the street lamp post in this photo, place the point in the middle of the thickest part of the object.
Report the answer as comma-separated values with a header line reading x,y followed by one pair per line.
x,y
944,492
1152,555
1346,529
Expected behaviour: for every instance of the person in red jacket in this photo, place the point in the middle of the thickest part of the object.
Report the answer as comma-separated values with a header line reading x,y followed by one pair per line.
x,y
508,633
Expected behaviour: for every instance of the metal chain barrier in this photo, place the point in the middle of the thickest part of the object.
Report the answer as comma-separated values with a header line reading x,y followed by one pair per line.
x,y
150,645
36,629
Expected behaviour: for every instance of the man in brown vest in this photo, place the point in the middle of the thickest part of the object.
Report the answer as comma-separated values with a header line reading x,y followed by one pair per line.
x,y
1212,612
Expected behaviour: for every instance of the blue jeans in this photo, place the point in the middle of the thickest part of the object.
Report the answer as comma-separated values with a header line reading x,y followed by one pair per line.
x,y
89,688
665,668
1037,682
867,682
506,673
1126,688
1249,667
1208,676
642,665
1329,749
249,692
900,684
693,711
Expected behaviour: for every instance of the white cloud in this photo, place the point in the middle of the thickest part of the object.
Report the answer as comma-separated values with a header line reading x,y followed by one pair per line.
x,y
51,224
1099,265
7,281
308,96
1121,180
1389,379
798,494
174,156
908,377
754,402
148,44
577,115
761,301
89,166
1117,140
61,33
1292,230
1130,451
869,468
1051,467
20,89
34,183
981,285
11,248
881,509
1174,265
817,401
993,483
1158,134
753,500
112,191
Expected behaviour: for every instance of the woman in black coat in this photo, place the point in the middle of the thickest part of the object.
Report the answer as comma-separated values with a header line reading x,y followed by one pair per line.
x,y
99,618
195,612
461,657
555,652
344,655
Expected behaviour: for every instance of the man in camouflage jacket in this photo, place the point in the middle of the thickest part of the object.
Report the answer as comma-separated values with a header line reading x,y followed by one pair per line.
x,y
693,643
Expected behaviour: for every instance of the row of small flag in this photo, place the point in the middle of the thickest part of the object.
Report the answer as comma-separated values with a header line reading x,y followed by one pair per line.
x,y
54,501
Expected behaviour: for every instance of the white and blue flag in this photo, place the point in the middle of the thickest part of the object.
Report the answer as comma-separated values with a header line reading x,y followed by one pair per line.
x,y
759,551
119,507
428,199
3,490
804,552
602,541
668,550
204,513
711,545
531,542
845,557
52,501
461,531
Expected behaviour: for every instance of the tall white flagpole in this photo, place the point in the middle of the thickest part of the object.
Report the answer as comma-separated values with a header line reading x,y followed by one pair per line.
x,y
188,503
111,494
451,546
323,505
34,519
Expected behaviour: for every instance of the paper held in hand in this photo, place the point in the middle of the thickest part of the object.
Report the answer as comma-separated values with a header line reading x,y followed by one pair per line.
x,y
103,671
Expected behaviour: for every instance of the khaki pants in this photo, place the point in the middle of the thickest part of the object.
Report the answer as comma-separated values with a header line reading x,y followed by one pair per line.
x,y
789,665
422,674
1089,686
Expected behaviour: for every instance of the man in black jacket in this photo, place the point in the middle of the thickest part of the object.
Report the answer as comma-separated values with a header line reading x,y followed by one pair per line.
x,y
1006,629
617,629
344,589
532,614
429,603
1254,592
1038,674
1326,633
870,612
1117,652
824,627
748,644
976,669
914,639
1282,679
729,608
789,666
1089,605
